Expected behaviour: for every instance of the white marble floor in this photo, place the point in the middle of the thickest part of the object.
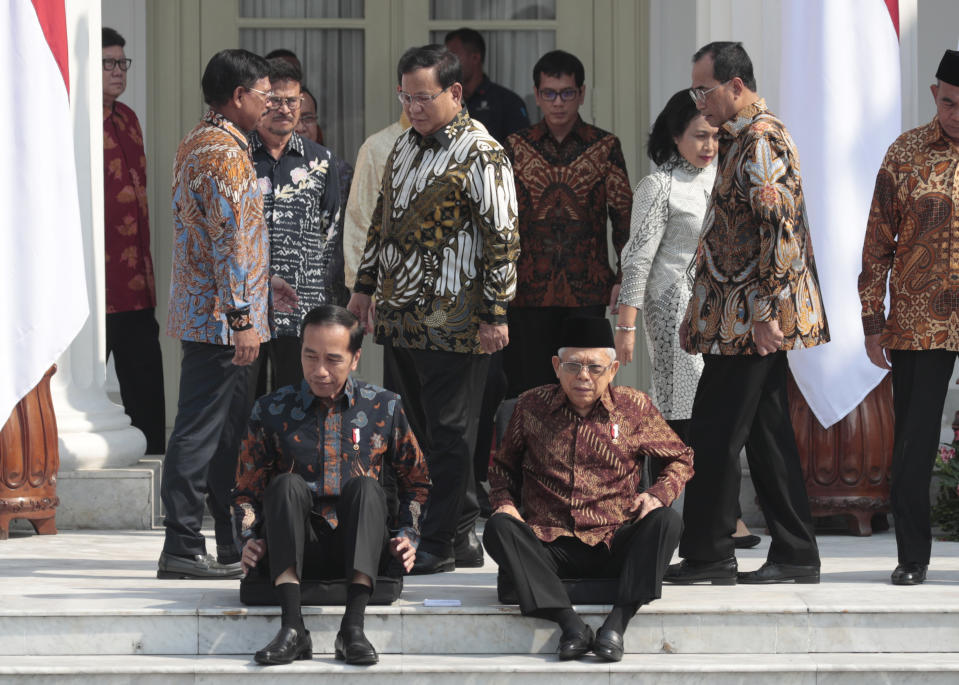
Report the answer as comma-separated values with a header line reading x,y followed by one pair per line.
x,y
115,571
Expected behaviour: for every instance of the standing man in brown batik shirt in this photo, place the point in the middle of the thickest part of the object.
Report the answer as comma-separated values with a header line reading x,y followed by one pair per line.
x,y
913,232
570,177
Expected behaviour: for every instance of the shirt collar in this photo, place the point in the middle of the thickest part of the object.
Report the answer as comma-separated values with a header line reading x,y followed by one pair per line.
x,y
934,134
307,398
482,87
446,134
744,117
293,146
578,130
216,119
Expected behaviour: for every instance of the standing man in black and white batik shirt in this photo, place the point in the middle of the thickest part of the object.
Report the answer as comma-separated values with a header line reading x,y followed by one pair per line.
x,y
440,259
302,208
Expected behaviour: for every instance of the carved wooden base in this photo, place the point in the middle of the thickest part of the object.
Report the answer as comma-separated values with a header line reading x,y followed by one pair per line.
x,y
863,514
41,512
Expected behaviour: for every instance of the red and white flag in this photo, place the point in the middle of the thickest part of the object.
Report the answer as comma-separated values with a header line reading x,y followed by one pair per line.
x,y
840,98
43,292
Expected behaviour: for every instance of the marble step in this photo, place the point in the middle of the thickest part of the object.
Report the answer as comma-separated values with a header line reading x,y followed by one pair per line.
x,y
775,628
671,669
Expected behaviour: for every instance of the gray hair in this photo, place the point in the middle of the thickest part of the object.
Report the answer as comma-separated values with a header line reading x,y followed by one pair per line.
x,y
610,352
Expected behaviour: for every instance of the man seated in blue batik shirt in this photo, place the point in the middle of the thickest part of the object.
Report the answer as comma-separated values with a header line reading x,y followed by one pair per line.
x,y
308,497
302,207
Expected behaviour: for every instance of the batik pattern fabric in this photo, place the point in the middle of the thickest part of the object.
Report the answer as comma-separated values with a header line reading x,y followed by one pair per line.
x,y
913,232
578,476
440,256
755,258
126,219
667,219
566,191
221,251
302,210
293,431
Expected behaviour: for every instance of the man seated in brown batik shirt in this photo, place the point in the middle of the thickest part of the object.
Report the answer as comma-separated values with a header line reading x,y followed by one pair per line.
x,y
572,458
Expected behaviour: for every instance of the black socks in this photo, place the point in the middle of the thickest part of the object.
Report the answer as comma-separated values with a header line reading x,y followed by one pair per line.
x,y
357,597
568,620
289,596
619,617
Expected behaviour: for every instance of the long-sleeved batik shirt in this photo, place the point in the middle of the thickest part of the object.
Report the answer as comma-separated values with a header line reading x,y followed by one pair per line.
x,y
565,192
221,251
293,431
126,219
913,230
755,259
578,476
302,209
442,246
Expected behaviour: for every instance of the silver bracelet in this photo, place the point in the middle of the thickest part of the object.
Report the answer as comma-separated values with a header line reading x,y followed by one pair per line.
x,y
625,328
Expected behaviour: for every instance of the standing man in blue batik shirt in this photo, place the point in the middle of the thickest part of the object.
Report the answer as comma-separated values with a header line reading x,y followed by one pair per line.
x,y
308,499
440,258
301,206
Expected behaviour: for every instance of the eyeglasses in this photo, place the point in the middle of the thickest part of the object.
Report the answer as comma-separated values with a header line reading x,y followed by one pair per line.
x,y
566,94
308,118
275,102
109,64
260,92
699,94
574,368
419,99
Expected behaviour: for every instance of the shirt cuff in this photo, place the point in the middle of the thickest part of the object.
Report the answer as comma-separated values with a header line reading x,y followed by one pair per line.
x,y
494,312
873,324
239,319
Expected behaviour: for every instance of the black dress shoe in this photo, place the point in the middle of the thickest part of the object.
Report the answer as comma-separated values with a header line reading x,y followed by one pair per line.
x,y
746,541
468,551
427,562
575,645
202,566
911,573
688,571
771,572
354,649
608,645
288,646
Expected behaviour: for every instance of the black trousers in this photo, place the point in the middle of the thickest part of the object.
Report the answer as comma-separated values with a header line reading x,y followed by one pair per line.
x,y
920,380
278,364
201,457
133,338
298,537
493,394
442,393
533,332
638,556
741,400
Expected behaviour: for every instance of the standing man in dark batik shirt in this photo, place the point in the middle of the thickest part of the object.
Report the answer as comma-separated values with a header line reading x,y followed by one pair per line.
x,y
913,233
301,206
440,258
570,177
755,296
133,334
500,110
308,494
573,459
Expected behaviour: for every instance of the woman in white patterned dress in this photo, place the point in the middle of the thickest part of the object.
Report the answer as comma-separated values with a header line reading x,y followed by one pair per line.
x,y
668,210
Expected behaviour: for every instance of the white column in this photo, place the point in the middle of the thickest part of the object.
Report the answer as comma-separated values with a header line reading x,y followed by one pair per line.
x,y
94,432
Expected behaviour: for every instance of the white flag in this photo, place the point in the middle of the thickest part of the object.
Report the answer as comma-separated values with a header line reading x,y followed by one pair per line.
x,y
43,291
840,99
